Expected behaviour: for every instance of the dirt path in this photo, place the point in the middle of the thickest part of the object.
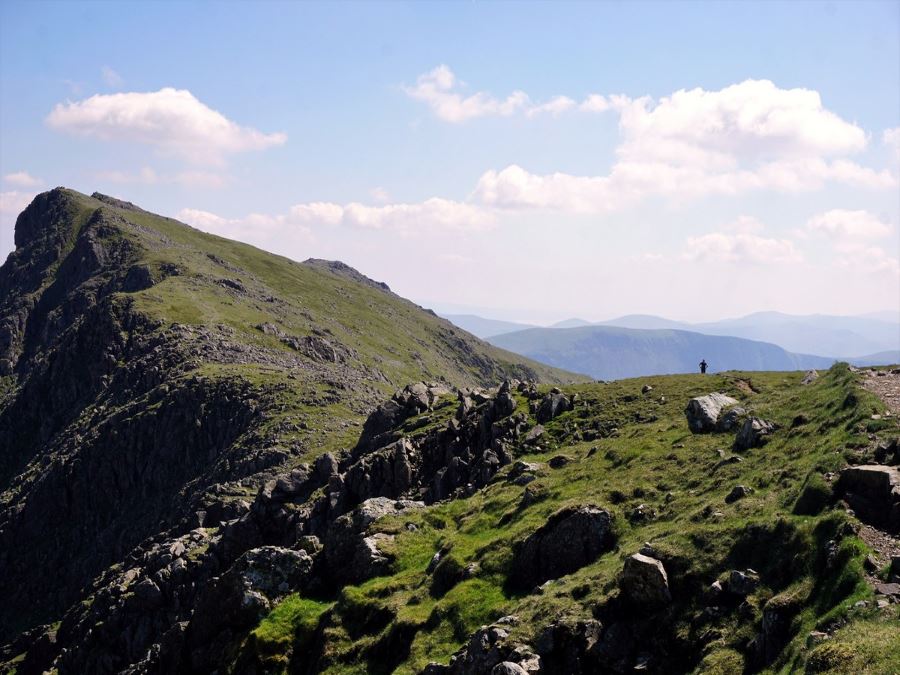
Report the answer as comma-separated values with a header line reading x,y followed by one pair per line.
x,y
885,385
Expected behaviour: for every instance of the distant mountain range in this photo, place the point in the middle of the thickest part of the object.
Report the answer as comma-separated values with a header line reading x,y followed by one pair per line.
x,y
611,352
823,335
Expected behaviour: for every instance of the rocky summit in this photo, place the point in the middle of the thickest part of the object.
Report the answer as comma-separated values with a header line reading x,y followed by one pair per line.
x,y
218,460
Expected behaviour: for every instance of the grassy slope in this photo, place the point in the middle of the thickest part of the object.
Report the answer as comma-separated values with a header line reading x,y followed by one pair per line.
x,y
653,460
395,341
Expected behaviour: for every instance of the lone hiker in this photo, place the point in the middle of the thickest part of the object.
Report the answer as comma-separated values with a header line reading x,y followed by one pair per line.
x,y
703,367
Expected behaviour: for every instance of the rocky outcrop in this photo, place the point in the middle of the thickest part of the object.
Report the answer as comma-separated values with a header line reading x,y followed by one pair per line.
x,y
873,492
351,556
703,413
490,650
238,599
570,539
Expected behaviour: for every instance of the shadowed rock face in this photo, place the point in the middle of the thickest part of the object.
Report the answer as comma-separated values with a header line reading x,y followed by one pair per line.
x,y
571,539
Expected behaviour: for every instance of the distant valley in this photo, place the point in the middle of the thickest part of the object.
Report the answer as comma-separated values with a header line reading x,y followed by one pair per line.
x,y
637,345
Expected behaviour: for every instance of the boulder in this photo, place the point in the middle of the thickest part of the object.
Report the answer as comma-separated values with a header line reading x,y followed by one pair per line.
x,y
570,539
754,433
810,377
873,492
737,492
644,581
703,412
553,405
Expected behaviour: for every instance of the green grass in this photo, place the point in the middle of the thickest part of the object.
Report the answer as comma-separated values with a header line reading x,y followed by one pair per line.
x,y
652,459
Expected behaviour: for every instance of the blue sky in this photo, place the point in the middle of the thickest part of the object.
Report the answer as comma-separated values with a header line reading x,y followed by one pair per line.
x,y
734,157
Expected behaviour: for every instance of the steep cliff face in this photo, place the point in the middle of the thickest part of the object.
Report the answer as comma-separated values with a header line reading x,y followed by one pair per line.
x,y
153,377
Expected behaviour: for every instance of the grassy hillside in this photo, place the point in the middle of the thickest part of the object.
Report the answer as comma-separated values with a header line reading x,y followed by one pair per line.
x,y
611,353
663,485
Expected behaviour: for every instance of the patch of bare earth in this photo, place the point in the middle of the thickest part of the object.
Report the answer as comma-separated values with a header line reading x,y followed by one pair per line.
x,y
885,384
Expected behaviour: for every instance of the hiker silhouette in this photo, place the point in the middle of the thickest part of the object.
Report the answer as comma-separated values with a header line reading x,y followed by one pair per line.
x,y
703,367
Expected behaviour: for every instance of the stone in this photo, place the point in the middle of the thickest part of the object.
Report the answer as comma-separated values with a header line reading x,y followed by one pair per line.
x,y
534,434
737,492
559,461
743,582
887,589
553,405
754,433
570,539
703,412
873,492
508,668
810,377
646,389
644,581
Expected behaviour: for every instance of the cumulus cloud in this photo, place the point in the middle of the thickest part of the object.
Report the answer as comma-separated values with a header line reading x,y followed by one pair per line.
x,y
748,136
432,216
741,248
171,120
848,225
441,91
436,89
22,179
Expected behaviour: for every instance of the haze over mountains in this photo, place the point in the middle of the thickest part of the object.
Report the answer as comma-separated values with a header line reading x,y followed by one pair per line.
x,y
641,344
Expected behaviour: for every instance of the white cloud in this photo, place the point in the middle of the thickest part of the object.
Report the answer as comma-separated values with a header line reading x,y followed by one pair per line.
x,y
171,120
14,202
749,136
111,77
595,103
555,106
440,89
318,212
433,216
203,220
848,225
22,179
867,259
741,248
436,89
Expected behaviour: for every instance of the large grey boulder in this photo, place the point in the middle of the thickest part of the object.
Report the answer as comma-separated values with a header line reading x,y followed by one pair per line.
x,y
570,539
754,433
645,582
873,491
703,412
